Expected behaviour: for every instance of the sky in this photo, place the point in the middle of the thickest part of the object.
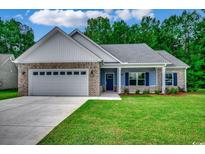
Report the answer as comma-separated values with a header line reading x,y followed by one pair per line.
x,y
42,21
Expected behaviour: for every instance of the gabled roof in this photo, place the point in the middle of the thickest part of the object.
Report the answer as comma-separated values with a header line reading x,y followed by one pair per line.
x,y
175,62
5,57
60,48
91,45
135,53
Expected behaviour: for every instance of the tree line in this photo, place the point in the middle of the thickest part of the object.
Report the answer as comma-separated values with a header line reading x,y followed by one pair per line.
x,y
15,37
181,35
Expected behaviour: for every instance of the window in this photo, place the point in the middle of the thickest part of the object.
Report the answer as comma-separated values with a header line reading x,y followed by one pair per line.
x,y
42,73
132,78
48,73
169,79
62,73
141,79
137,78
35,73
55,73
83,73
69,73
76,73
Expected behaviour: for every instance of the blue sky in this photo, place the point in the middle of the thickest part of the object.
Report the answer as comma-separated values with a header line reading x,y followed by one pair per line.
x,y
43,21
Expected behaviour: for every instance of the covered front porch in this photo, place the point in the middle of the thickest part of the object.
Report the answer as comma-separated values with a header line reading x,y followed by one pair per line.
x,y
118,79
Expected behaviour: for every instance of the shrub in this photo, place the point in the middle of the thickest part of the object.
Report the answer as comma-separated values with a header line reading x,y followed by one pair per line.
x,y
181,89
126,91
145,92
167,91
137,92
157,92
172,90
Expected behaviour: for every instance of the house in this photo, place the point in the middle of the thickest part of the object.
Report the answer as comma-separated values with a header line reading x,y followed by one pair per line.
x,y
8,72
73,64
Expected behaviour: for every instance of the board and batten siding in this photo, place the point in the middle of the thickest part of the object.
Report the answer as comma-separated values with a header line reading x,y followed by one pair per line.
x,y
58,48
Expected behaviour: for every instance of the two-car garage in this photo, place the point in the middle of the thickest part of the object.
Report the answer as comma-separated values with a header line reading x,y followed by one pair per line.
x,y
58,82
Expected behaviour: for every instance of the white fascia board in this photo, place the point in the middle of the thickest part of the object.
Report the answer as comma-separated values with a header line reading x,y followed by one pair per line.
x,y
185,67
132,65
90,40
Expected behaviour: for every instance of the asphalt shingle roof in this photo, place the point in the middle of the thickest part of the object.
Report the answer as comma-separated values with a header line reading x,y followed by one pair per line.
x,y
175,61
134,53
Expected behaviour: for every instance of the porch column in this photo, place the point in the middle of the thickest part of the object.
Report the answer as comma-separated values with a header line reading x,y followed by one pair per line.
x,y
163,79
185,80
119,79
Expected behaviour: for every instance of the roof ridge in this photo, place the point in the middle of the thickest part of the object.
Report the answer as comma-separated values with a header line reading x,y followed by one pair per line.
x,y
124,44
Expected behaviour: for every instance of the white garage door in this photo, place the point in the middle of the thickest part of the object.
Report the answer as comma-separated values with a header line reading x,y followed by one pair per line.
x,y
59,82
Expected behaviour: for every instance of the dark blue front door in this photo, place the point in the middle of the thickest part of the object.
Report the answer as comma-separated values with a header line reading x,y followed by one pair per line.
x,y
109,81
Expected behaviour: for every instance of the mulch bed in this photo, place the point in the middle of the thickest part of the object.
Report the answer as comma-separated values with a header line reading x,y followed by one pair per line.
x,y
178,94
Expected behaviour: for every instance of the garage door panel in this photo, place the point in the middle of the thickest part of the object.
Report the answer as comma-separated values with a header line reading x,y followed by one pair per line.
x,y
58,85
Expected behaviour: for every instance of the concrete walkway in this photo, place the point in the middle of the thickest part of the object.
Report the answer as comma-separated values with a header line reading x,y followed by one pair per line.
x,y
26,120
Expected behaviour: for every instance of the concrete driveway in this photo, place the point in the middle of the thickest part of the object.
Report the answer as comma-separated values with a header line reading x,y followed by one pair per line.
x,y
26,120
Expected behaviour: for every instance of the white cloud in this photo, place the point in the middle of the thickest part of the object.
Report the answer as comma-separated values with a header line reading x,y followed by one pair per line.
x,y
27,12
139,14
108,11
18,17
136,14
67,18
78,18
123,14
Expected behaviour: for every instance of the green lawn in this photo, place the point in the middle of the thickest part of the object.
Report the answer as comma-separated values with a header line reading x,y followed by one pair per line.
x,y
5,94
135,120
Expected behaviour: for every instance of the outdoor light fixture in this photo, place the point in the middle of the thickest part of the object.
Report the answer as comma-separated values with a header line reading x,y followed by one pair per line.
x,y
23,73
91,73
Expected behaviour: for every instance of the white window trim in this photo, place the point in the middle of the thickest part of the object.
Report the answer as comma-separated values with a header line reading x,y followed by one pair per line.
x,y
172,73
137,78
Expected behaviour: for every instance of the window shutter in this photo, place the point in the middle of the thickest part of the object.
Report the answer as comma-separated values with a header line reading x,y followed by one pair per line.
x,y
126,78
175,79
147,78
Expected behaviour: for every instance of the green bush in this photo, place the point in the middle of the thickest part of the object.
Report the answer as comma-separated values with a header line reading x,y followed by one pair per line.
x,y
137,92
145,92
157,92
172,90
126,91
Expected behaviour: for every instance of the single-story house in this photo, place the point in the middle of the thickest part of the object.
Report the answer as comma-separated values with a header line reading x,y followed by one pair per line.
x,y
8,72
73,64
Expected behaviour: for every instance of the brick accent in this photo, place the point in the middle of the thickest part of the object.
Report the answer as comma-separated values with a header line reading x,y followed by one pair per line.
x,y
180,76
132,89
94,80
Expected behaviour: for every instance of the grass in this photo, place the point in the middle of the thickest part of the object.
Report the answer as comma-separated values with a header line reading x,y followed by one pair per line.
x,y
135,120
5,94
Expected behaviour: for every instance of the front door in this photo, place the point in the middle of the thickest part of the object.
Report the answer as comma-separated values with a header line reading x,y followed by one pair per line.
x,y
109,81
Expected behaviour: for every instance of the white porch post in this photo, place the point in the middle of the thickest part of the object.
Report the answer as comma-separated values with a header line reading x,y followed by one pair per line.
x,y
163,79
119,79
185,80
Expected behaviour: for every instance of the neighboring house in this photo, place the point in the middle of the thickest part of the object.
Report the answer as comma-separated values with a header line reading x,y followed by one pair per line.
x,y
8,72
73,64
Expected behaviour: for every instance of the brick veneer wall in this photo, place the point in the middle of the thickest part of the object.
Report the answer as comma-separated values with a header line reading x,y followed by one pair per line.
x,y
94,80
180,76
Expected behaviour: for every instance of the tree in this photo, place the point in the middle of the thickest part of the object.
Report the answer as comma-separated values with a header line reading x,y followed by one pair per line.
x,y
15,37
119,32
181,35
99,30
